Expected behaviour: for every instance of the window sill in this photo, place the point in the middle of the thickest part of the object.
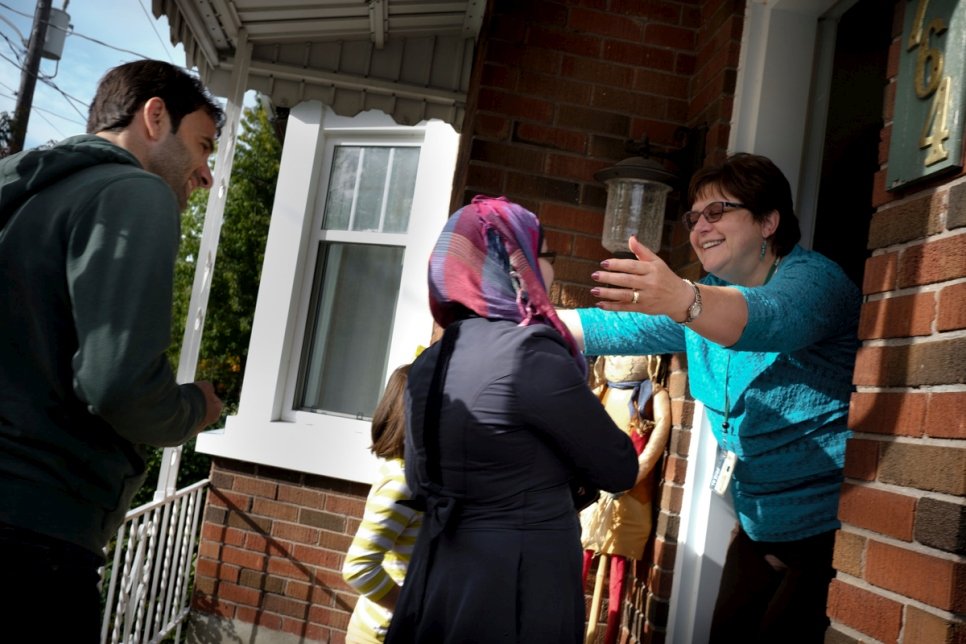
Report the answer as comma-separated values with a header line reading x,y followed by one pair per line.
x,y
326,445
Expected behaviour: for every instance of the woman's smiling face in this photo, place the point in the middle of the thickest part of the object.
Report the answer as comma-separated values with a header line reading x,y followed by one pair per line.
x,y
729,248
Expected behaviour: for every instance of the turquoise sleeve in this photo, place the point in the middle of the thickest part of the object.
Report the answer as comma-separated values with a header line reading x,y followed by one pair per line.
x,y
622,333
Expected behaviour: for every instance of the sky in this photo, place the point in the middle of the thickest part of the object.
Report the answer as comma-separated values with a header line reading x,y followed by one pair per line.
x,y
122,24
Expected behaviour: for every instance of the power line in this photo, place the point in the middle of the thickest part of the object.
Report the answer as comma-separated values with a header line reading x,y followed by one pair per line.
x,y
56,129
15,63
14,27
39,75
72,32
46,80
41,109
50,81
154,27
70,99
104,44
17,11
13,48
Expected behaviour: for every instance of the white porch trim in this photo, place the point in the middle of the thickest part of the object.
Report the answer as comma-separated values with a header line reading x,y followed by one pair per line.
x,y
207,252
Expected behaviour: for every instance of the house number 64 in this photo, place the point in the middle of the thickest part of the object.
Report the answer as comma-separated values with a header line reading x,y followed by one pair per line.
x,y
929,81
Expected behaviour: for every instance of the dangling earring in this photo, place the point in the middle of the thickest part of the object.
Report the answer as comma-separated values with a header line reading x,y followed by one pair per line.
x,y
764,247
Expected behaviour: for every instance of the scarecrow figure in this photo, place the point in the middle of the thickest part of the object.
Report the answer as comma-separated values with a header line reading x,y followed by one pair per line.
x,y
633,391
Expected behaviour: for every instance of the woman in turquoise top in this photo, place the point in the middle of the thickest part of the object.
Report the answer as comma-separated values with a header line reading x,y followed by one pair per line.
x,y
770,337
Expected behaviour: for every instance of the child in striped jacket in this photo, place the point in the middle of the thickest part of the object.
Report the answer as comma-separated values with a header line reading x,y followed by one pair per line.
x,y
379,555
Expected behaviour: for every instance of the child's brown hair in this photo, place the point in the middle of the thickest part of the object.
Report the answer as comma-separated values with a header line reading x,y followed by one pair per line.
x,y
389,419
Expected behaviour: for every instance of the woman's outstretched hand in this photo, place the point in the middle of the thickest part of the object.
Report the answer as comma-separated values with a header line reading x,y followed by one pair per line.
x,y
644,285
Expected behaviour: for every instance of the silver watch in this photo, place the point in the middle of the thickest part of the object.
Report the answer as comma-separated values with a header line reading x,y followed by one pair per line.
x,y
695,309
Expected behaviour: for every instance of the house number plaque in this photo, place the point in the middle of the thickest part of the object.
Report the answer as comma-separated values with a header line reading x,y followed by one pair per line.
x,y
927,129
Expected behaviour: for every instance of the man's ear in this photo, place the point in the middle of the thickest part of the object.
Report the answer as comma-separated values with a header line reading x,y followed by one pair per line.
x,y
155,116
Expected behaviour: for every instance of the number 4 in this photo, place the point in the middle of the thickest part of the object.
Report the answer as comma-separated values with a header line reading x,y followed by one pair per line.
x,y
935,129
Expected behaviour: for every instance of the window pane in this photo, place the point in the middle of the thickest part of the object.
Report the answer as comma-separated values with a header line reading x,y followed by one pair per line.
x,y
372,185
347,338
371,188
342,185
402,184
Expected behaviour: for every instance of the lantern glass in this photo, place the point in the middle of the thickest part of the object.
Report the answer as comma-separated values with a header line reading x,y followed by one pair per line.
x,y
634,207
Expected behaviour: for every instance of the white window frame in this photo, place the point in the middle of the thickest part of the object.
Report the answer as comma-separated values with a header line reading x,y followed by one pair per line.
x,y
267,428
355,137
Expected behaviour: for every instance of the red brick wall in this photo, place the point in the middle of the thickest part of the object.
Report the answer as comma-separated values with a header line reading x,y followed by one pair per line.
x,y
272,546
561,87
900,553
711,102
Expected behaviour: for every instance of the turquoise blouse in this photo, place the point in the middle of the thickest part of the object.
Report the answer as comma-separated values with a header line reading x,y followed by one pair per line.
x,y
778,397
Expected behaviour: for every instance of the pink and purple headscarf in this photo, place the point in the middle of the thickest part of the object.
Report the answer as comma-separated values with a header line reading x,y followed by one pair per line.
x,y
485,262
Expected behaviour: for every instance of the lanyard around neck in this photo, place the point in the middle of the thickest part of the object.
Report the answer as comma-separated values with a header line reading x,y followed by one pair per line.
x,y
771,271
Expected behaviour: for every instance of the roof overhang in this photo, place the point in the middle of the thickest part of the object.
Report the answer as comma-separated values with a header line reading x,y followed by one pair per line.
x,y
408,58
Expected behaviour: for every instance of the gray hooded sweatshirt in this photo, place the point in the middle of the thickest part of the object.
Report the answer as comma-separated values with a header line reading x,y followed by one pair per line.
x,y
88,243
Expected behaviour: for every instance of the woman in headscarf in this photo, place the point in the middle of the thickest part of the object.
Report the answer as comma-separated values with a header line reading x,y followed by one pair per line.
x,y
500,422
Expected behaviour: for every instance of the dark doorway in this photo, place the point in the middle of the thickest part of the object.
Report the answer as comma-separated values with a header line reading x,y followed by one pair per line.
x,y
851,153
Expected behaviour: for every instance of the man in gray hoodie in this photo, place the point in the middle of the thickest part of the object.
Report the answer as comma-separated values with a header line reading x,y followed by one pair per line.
x,y
89,235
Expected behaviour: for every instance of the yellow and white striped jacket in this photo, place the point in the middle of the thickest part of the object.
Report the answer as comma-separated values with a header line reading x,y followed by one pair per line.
x,y
380,552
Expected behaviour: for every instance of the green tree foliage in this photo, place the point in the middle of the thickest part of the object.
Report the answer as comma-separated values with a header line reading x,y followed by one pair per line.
x,y
234,286
6,133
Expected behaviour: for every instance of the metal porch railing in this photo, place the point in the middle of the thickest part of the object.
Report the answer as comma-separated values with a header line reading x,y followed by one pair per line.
x,y
151,566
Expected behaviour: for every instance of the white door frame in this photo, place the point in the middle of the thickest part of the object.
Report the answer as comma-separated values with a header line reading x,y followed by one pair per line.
x,y
781,96
702,540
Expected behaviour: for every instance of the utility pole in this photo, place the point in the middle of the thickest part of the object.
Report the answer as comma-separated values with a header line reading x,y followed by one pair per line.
x,y
28,79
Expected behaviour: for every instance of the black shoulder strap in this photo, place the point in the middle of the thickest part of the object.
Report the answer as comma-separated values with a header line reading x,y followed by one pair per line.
x,y
433,402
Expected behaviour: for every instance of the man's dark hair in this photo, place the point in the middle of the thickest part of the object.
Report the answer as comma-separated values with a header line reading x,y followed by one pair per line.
x,y
759,184
126,88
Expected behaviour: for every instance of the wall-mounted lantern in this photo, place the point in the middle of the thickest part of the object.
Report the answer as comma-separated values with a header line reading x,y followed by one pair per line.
x,y
637,190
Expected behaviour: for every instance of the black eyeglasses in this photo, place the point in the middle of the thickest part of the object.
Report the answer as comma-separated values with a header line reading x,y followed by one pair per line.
x,y
712,213
549,255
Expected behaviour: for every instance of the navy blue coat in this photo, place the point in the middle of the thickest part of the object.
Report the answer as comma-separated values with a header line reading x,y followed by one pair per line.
x,y
499,557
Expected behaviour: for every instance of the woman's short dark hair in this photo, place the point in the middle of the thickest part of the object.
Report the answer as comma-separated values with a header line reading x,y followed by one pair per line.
x,y
757,183
126,88
389,419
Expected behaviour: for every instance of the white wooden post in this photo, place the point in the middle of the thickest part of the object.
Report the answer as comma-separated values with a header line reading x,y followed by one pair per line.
x,y
214,216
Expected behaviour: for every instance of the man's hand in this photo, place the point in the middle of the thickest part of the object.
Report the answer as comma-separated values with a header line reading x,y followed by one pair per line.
x,y
213,404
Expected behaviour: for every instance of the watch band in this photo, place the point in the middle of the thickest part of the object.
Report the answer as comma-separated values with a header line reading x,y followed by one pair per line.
x,y
695,309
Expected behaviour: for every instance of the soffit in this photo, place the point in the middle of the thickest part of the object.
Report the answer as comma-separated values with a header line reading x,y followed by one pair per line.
x,y
408,58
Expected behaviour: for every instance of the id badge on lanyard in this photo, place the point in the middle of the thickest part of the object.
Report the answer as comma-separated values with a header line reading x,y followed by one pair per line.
x,y
725,460
724,467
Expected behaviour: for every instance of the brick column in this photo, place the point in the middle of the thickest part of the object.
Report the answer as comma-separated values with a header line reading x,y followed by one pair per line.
x,y
900,553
